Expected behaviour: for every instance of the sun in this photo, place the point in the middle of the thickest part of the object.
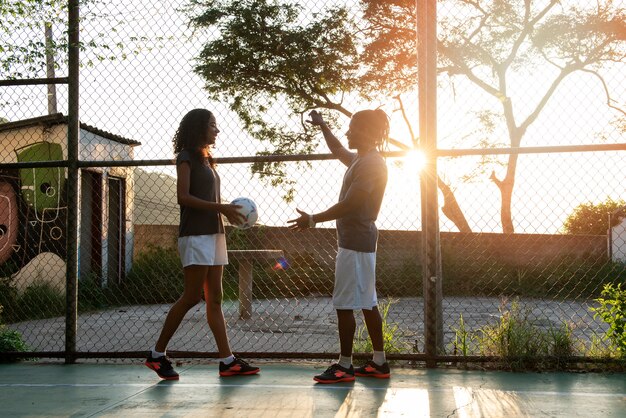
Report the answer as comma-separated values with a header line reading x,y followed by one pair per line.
x,y
404,177
414,162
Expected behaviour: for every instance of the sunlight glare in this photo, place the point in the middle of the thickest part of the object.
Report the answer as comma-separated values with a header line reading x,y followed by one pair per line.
x,y
414,162
405,402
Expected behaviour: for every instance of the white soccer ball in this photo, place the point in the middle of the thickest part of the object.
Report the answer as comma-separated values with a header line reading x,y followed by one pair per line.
x,y
248,210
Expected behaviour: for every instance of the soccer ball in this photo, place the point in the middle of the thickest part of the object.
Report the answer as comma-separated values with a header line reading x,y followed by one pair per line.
x,y
248,210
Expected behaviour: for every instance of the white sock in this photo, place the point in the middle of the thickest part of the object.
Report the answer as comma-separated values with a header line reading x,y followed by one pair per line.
x,y
227,360
379,358
156,354
345,361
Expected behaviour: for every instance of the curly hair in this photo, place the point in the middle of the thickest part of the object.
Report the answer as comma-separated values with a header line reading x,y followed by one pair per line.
x,y
191,134
377,124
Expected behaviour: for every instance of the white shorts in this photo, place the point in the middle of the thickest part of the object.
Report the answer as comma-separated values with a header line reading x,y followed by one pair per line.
x,y
203,250
355,280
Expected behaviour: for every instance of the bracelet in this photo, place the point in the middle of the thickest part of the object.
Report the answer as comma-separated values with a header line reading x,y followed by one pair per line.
x,y
311,222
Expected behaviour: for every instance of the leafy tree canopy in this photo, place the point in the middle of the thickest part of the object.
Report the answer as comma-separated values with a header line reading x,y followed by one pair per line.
x,y
23,47
593,219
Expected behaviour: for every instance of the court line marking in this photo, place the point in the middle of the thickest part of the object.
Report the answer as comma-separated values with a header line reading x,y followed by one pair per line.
x,y
298,387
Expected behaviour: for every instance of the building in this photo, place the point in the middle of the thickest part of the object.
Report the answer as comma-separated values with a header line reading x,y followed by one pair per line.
x,y
617,235
33,204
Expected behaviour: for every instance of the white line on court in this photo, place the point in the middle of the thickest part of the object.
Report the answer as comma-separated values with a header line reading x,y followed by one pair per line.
x,y
298,387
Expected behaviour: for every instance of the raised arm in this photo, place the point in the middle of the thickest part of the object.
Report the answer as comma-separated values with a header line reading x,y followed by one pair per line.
x,y
332,142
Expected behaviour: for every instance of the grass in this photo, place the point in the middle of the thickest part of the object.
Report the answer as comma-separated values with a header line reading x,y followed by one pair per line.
x,y
518,339
391,334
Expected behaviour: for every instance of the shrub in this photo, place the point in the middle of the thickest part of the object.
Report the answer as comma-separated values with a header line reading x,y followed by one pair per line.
x,y
592,219
156,277
612,311
92,295
41,300
11,340
8,299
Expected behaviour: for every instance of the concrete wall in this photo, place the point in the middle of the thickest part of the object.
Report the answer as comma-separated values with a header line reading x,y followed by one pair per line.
x,y
398,246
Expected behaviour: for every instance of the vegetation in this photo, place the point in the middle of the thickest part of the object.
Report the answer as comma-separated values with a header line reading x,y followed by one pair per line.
x,y
391,334
593,219
10,340
518,339
156,277
24,53
39,300
612,311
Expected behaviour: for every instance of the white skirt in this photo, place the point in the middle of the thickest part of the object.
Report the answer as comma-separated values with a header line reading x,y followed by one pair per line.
x,y
203,250
355,280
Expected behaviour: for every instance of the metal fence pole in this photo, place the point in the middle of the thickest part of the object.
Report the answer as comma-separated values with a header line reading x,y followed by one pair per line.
x,y
431,256
73,127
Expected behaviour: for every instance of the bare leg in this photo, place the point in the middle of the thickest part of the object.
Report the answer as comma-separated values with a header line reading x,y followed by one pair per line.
x,y
194,277
374,324
347,328
213,293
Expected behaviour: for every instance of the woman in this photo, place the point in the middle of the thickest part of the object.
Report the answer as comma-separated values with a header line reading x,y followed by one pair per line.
x,y
201,243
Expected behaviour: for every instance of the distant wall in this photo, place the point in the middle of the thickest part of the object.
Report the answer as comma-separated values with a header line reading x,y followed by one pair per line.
x,y
398,246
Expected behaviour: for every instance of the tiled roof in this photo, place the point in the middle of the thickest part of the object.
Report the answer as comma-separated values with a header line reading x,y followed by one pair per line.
x,y
59,118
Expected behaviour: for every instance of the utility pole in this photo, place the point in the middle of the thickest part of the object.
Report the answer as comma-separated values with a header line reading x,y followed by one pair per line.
x,y
52,89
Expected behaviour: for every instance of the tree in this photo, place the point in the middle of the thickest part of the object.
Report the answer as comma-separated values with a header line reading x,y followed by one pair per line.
x,y
265,56
486,42
593,219
336,54
23,48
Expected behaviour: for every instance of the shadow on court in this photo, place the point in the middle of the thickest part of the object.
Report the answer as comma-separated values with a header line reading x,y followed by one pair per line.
x,y
288,390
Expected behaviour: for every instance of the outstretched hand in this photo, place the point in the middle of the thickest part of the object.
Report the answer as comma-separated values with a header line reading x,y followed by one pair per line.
x,y
301,222
232,214
316,118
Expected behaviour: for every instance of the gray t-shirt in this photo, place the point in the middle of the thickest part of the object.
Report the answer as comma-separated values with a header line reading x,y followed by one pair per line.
x,y
357,231
204,183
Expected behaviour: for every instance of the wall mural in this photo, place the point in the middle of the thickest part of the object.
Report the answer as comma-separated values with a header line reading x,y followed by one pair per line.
x,y
33,209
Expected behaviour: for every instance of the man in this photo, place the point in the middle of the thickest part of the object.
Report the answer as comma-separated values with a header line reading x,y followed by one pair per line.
x,y
355,213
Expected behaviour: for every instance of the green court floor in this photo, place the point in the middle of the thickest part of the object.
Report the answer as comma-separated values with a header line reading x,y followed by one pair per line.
x,y
287,390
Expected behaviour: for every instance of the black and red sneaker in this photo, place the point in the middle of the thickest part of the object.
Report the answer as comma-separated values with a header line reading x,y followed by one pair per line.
x,y
162,366
336,374
237,368
371,369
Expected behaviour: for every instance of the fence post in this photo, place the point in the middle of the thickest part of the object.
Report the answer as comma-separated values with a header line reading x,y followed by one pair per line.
x,y
73,127
431,255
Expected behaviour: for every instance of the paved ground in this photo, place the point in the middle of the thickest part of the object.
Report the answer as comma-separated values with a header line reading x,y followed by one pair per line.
x,y
287,390
290,325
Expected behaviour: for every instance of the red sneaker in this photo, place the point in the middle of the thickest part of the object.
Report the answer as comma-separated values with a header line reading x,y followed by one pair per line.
x,y
237,367
162,366
372,369
335,374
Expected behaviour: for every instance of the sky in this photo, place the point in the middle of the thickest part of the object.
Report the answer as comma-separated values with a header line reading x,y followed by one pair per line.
x,y
144,97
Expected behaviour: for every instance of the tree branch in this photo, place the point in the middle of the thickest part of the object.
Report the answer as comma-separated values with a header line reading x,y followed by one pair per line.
x,y
609,100
528,26
406,121
466,71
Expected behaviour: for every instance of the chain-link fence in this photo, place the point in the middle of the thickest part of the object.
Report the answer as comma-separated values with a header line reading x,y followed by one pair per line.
x,y
530,234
